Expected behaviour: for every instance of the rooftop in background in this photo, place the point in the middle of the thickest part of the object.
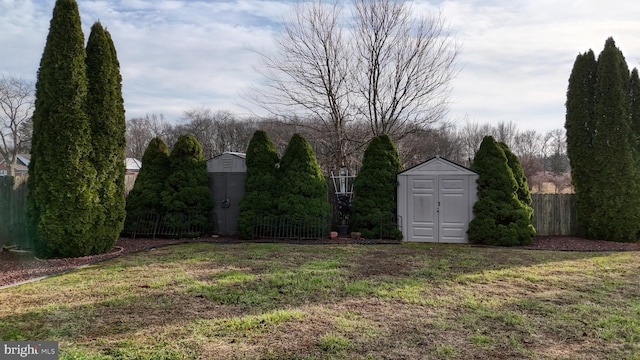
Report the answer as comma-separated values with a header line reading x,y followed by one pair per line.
x,y
132,165
21,168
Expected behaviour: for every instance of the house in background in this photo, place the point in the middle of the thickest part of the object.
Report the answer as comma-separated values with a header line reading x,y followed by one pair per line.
x,y
21,168
133,166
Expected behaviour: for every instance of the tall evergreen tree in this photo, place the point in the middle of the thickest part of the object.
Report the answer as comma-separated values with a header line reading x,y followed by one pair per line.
x,y
260,184
634,93
500,217
616,210
186,196
580,126
62,198
107,120
375,189
146,195
302,189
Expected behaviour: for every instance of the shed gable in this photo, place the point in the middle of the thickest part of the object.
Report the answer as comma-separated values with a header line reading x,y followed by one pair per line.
x,y
227,162
438,165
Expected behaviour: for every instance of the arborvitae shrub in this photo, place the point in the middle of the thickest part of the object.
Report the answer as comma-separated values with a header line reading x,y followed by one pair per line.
x,y
580,125
260,184
302,189
107,122
522,192
187,197
602,144
146,195
375,190
500,218
615,191
62,200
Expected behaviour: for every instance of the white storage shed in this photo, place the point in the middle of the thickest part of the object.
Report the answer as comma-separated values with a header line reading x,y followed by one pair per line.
x,y
435,201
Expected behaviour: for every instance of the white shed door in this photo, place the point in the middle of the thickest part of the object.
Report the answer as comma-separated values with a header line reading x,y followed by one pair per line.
x,y
423,209
437,208
453,212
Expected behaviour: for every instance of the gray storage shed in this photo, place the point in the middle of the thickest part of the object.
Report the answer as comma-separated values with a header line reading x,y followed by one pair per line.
x,y
435,201
226,181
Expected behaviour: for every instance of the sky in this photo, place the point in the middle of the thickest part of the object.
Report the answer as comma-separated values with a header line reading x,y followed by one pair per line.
x,y
178,55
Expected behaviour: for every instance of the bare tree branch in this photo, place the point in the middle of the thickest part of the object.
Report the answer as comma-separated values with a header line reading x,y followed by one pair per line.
x,y
378,65
16,110
141,130
309,74
405,65
218,131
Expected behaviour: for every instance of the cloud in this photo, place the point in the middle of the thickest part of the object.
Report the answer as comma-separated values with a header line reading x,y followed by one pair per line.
x,y
23,29
517,56
176,55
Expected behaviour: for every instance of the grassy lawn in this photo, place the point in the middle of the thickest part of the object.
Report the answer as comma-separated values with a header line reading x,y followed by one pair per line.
x,y
277,301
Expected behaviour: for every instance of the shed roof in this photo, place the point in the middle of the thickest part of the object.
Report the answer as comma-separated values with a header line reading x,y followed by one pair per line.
x,y
438,165
132,164
238,154
227,162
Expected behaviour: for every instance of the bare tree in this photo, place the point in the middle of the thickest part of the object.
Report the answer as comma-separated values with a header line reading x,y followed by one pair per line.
x,y
529,148
505,132
236,133
528,143
141,130
218,131
380,65
405,64
16,110
471,135
555,141
309,74
554,151
201,123
424,144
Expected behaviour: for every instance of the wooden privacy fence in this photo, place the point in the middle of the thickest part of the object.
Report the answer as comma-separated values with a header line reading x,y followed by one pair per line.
x,y
13,199
129,181
554,214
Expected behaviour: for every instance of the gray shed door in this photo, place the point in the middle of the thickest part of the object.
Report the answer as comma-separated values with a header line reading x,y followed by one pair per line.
x,y
437,208
228,190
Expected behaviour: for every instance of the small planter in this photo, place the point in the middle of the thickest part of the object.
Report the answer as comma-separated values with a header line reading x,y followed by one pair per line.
x,y
356,235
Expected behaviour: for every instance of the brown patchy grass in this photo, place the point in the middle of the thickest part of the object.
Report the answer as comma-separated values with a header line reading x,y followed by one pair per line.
x,y
277,301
